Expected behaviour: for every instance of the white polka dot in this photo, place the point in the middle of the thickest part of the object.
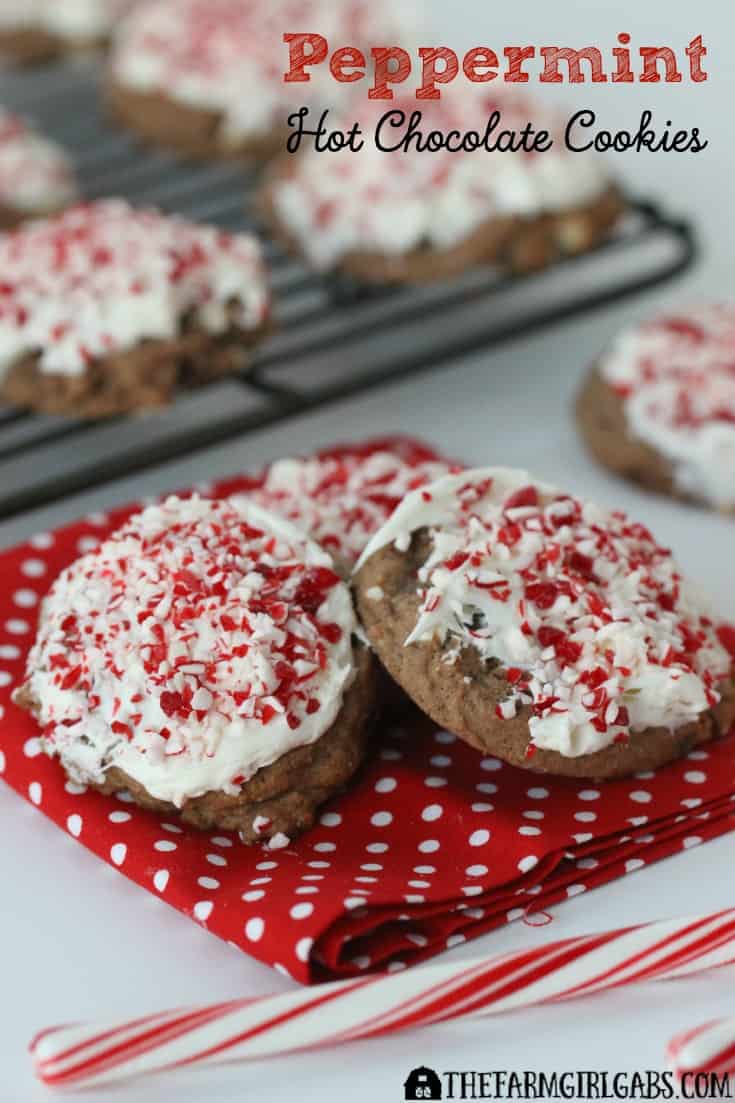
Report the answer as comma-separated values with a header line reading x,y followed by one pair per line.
x,y
203,910
424,869
428,846
2,762
208,882
435,782
75,789
301,911
415,884
640,796
303,948
585,817
253,895
432,812
87,544
692,841
324,848
576,890
35,792
33,568
9,651
487,788
589,794
491,764
455,940
414,898
261,880
267,865
42,540
353,902
695,777
476,871
533,815
254,929
74,825
216,859
218,840
119,817
377,848
118,852
538,794
528,863
17,627
440,761
385,785
692,802
634,864
482,806
587,863
515,914
472,890
160,879
417,939
330,819
381,819
318,865
371,867
479,838
164,845
527,830
309,890
173,828
25,599
5,678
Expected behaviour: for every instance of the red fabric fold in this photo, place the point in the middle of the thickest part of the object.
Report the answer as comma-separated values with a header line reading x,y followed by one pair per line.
x,y
433,844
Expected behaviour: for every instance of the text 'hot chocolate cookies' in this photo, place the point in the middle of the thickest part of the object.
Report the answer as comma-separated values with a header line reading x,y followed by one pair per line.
x,y
106,310
204,658
540,628
659,407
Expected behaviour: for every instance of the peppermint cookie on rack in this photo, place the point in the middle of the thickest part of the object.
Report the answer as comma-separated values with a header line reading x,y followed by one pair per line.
x,y
659,406
410,215
204,659
36,176
36,30
542,629
106,309
203,76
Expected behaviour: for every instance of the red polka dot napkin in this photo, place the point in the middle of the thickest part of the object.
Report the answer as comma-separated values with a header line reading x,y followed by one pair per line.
x,y
432,845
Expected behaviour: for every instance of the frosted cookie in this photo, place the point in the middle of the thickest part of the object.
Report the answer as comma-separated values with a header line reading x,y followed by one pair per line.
x,y
341,500
106,309
543,629
411,217
659,406
205,77
36,176
204,659
36,30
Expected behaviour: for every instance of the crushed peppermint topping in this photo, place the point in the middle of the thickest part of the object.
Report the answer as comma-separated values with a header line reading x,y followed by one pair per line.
x,y
102,277
676,377
340,501
199,643
598,634
222,55
36,176
338,202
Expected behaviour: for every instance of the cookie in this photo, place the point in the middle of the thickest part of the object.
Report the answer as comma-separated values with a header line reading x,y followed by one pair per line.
x,y
542,629
202,76
659,406
417,216
36,176
204,658
45,29
106,310
341,500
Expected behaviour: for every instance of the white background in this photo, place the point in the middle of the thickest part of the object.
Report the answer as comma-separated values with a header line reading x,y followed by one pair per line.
x,y
77,940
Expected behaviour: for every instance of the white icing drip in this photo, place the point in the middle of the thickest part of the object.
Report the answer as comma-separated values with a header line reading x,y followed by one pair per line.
x,y
676,376
156,585
580,607
36,176
392,202
101,278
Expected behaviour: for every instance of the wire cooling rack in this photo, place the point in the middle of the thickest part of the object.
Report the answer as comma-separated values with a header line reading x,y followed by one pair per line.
x,y
332,339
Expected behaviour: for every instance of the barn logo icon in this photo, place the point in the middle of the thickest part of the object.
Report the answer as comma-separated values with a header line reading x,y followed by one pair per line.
x,y
423,1083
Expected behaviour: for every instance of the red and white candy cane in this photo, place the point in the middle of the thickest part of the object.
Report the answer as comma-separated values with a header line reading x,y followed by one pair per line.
x,y
343,1011
708,1048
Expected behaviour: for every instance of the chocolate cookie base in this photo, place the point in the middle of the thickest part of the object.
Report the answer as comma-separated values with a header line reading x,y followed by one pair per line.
x,y
33,45
143,378
282,798
461,696
600,413
517,245
12,217
192,131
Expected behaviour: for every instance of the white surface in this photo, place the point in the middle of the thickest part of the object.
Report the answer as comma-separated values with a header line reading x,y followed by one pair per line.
x,y
79,940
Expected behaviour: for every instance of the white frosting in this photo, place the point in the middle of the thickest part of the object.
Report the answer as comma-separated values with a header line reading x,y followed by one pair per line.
x,y
100,278
228,55
36,176
76,20
676,376
200,643
340,501
392,202
597,632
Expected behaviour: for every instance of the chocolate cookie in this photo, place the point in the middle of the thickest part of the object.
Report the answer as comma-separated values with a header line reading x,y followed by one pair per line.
x,y
541,629
415,216
46,29
36,176
659,407
204,658
107,310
